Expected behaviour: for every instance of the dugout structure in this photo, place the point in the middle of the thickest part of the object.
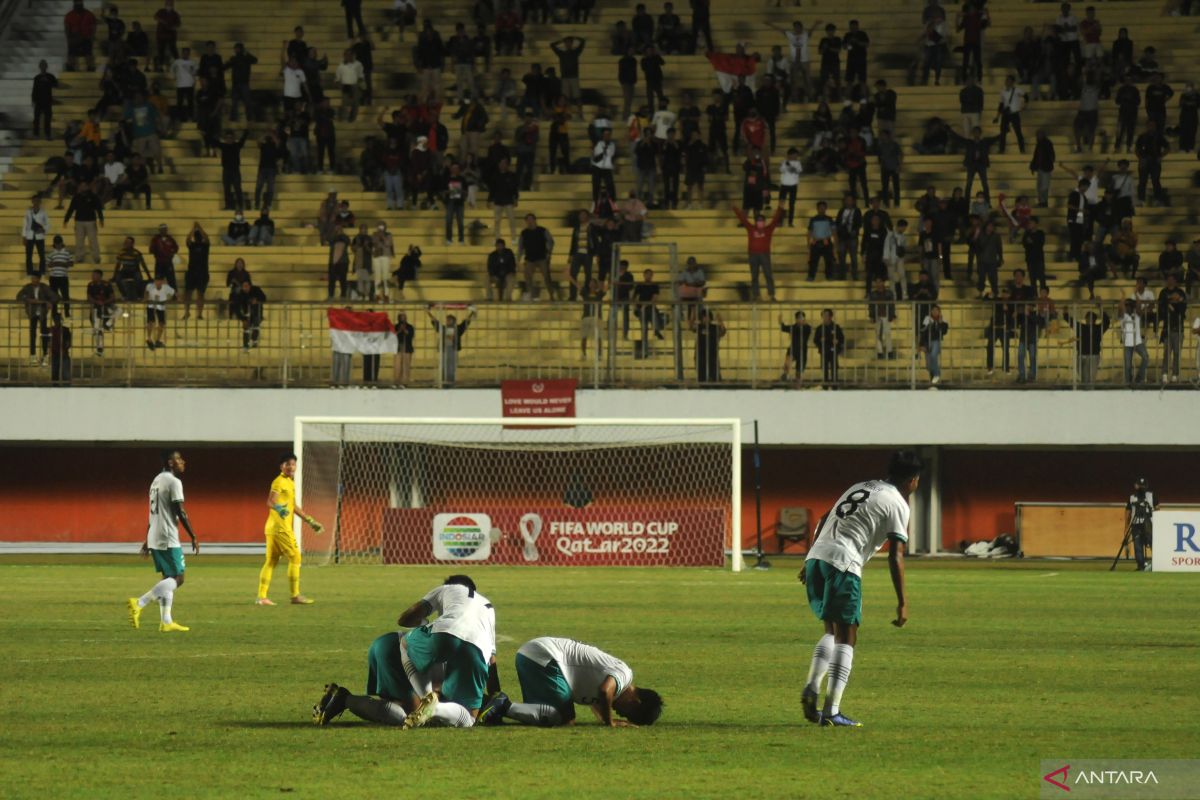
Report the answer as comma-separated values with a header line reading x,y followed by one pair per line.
x,y
577,492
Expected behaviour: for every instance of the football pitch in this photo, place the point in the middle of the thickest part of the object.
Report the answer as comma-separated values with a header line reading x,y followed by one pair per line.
x,y
1000,666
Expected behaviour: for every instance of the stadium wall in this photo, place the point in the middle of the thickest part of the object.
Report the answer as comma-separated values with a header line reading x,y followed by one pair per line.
x,y
77,470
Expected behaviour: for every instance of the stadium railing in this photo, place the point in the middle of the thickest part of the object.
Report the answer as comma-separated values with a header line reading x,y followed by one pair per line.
x,y
542,340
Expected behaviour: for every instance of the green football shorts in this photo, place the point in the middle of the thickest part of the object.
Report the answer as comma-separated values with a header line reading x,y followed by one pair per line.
x,y
834,596
545,685
385,669
466,667
169,562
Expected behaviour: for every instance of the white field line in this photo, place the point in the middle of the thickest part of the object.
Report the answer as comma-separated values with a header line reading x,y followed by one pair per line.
x,y
158,656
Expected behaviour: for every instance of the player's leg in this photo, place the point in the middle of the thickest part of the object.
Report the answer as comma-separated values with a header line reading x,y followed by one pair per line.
x,y
420,651
170,563
388,697
267,572
816,586
466,680
544,691
287,546
844,609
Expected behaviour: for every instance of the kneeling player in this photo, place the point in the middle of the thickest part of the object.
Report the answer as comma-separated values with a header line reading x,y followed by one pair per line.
x,y
865,516
389,698
555,674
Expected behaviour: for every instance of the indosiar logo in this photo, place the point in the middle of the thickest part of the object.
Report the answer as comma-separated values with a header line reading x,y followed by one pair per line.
x,y
462,537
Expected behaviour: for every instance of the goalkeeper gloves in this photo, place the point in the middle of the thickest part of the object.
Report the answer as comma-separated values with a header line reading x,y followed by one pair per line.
x,y
317,527
281,510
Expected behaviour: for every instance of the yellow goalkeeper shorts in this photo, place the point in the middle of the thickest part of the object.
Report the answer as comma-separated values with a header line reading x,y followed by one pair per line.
x,y
282,545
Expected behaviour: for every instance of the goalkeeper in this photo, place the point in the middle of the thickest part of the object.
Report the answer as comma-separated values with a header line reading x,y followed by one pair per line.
x,y
281,541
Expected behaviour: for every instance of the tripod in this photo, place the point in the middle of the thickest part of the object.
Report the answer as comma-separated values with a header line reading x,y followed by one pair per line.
x,y
1124,544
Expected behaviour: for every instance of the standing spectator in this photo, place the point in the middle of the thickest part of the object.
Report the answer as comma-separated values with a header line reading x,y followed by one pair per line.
x,y
1133,342
672,165
454,194
88,211
325,133
461,49
602,165
1128,99
885,108
627,71
1189,117
231,169
652,74
383,250
429,57
501,270
891,157
44,85
1172,311
60,262
584,239
295,84
830,342
353,9
895,248
820,242
755,183
349,75
645,293
450,336
830,48
695,164
80,26
536,247
758,245
144,122
560,138
874,245
922,294
701,24
339,263
103,304
164,248
849,225
881,310
1089,343
789,181
1067,28
989,251
1147,303
195,280
645,165
1028,324
1012,103
568,50
972,21
239,66
1087,118
525,147
60,351
933,332
933,43
797,353
158,294
131,274
970,104
591,293
270,154
718,115
38,300
249,311
998,331
1042,166
234,279
167,23
855,42
976,159
402,366
33,233
709,332
854,155
421,175
1157,95
503,194
364,281
1034,242
1151,148
184,71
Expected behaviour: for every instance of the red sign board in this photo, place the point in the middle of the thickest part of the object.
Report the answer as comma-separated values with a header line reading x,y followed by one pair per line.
x,y
551,398
611,536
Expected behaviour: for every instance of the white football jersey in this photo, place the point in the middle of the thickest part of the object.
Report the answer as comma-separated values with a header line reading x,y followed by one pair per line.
x,y
465,615
584,667
860,523
165,491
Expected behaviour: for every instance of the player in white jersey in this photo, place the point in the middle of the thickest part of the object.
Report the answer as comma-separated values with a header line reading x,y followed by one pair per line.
x,y
556,674
162,542
865,517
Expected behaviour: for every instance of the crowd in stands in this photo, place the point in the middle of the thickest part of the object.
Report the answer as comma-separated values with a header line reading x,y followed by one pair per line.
x,y
434,152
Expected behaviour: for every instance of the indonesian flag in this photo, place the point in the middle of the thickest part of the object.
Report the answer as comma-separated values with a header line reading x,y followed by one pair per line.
x,y
730,66
368,332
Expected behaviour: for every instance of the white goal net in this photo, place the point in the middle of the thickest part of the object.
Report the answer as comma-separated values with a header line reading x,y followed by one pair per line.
x,y
577,492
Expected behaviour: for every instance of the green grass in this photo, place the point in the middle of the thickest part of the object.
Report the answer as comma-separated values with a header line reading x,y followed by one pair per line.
x,y
1001,666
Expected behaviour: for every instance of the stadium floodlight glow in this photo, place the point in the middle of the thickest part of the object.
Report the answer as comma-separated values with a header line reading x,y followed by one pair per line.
x,y
556,491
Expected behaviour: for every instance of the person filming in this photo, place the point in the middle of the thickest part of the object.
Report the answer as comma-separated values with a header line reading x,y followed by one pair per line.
x,y
1139,515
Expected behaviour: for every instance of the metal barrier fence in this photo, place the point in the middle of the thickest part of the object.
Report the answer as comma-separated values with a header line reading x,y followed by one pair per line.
x,y
625,344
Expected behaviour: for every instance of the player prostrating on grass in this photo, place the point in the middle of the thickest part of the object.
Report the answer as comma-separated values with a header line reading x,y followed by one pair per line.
x,y
281,541
162,542
556,674
866,516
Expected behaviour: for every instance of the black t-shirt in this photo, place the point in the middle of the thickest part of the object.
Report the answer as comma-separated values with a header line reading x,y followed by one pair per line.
x,y
645,292
627,70
652,68
624,287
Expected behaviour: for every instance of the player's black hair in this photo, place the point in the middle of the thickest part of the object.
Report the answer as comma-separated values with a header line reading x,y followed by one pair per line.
x,y
649,707
903,466
166,455
287,457
461,580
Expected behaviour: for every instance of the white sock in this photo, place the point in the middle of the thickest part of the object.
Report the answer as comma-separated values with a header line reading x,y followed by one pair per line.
x,y
166,584
165,598
451,715
839,675
373,709
421,683
534,714
820,663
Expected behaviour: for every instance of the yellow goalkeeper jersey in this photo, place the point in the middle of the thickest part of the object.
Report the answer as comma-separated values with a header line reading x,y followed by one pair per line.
x,y
285,494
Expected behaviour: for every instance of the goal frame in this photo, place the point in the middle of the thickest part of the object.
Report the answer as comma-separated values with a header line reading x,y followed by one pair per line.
x,y
734,425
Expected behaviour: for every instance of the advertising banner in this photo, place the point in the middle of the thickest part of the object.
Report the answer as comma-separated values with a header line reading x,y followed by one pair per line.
x,y
550,398
1177,541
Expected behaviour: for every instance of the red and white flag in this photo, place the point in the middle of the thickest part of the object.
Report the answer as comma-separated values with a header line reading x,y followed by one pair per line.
x,y
729,66
369,332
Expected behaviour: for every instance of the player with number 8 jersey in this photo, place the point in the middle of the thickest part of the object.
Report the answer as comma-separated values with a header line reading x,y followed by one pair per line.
x,y
865,517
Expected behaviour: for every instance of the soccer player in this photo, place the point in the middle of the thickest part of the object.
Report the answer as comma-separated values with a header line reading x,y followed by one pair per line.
x,y
555,674
389,698
281,541
162,542
866,516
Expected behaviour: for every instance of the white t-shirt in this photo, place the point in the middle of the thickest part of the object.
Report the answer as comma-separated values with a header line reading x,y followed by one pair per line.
x,y
1131,330
790,171
602,154
1092,193
798,42
584,667
1013,100
662,121
114,171
859,524
293,82
165,491
157,298
184,70
1068,28
349,74
465,616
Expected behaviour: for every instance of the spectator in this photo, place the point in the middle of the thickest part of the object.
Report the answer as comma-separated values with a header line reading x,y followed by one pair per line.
x,y
450,336
60,351
1189,117
642,28
989,250
709,332
503,194
623,292
249,310
88,211
645,164
158,294
645,293
407,271
1087,118
797,353
849,225
402,366
975,158
1088,339
972,21
383,250
239,66
933,43
881,310
184,71
231,169
325,134
502,270
295,83
758,244
339,263
270,153
164,248
80,27
525,147
652,74
1133,342
166,34
510,39
755,182
131,273
1091,267
454,194
237,233
933,333
672,165
568,50
364,281
103,308
633,212
196,278
820,242
701,24
607,234
891,158
855,43
421,174
144,121
536,247
1008,114
584,240
1192,279
830,48
1170,261
262,232
895,248
689,286
135,181
591,295
349,75
1028,324
1042,166
233,281
1172,310
33,233
38,300
830,343
1151,148
718,115
1123,253
60,262
1147,303
44,84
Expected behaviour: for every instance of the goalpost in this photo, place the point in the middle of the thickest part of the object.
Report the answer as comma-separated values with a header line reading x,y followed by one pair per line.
x,y
552,491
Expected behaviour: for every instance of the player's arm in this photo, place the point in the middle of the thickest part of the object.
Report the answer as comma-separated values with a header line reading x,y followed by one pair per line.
x,y
896,567
603,707
276,506
182,516
145,551
493,678
416,614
